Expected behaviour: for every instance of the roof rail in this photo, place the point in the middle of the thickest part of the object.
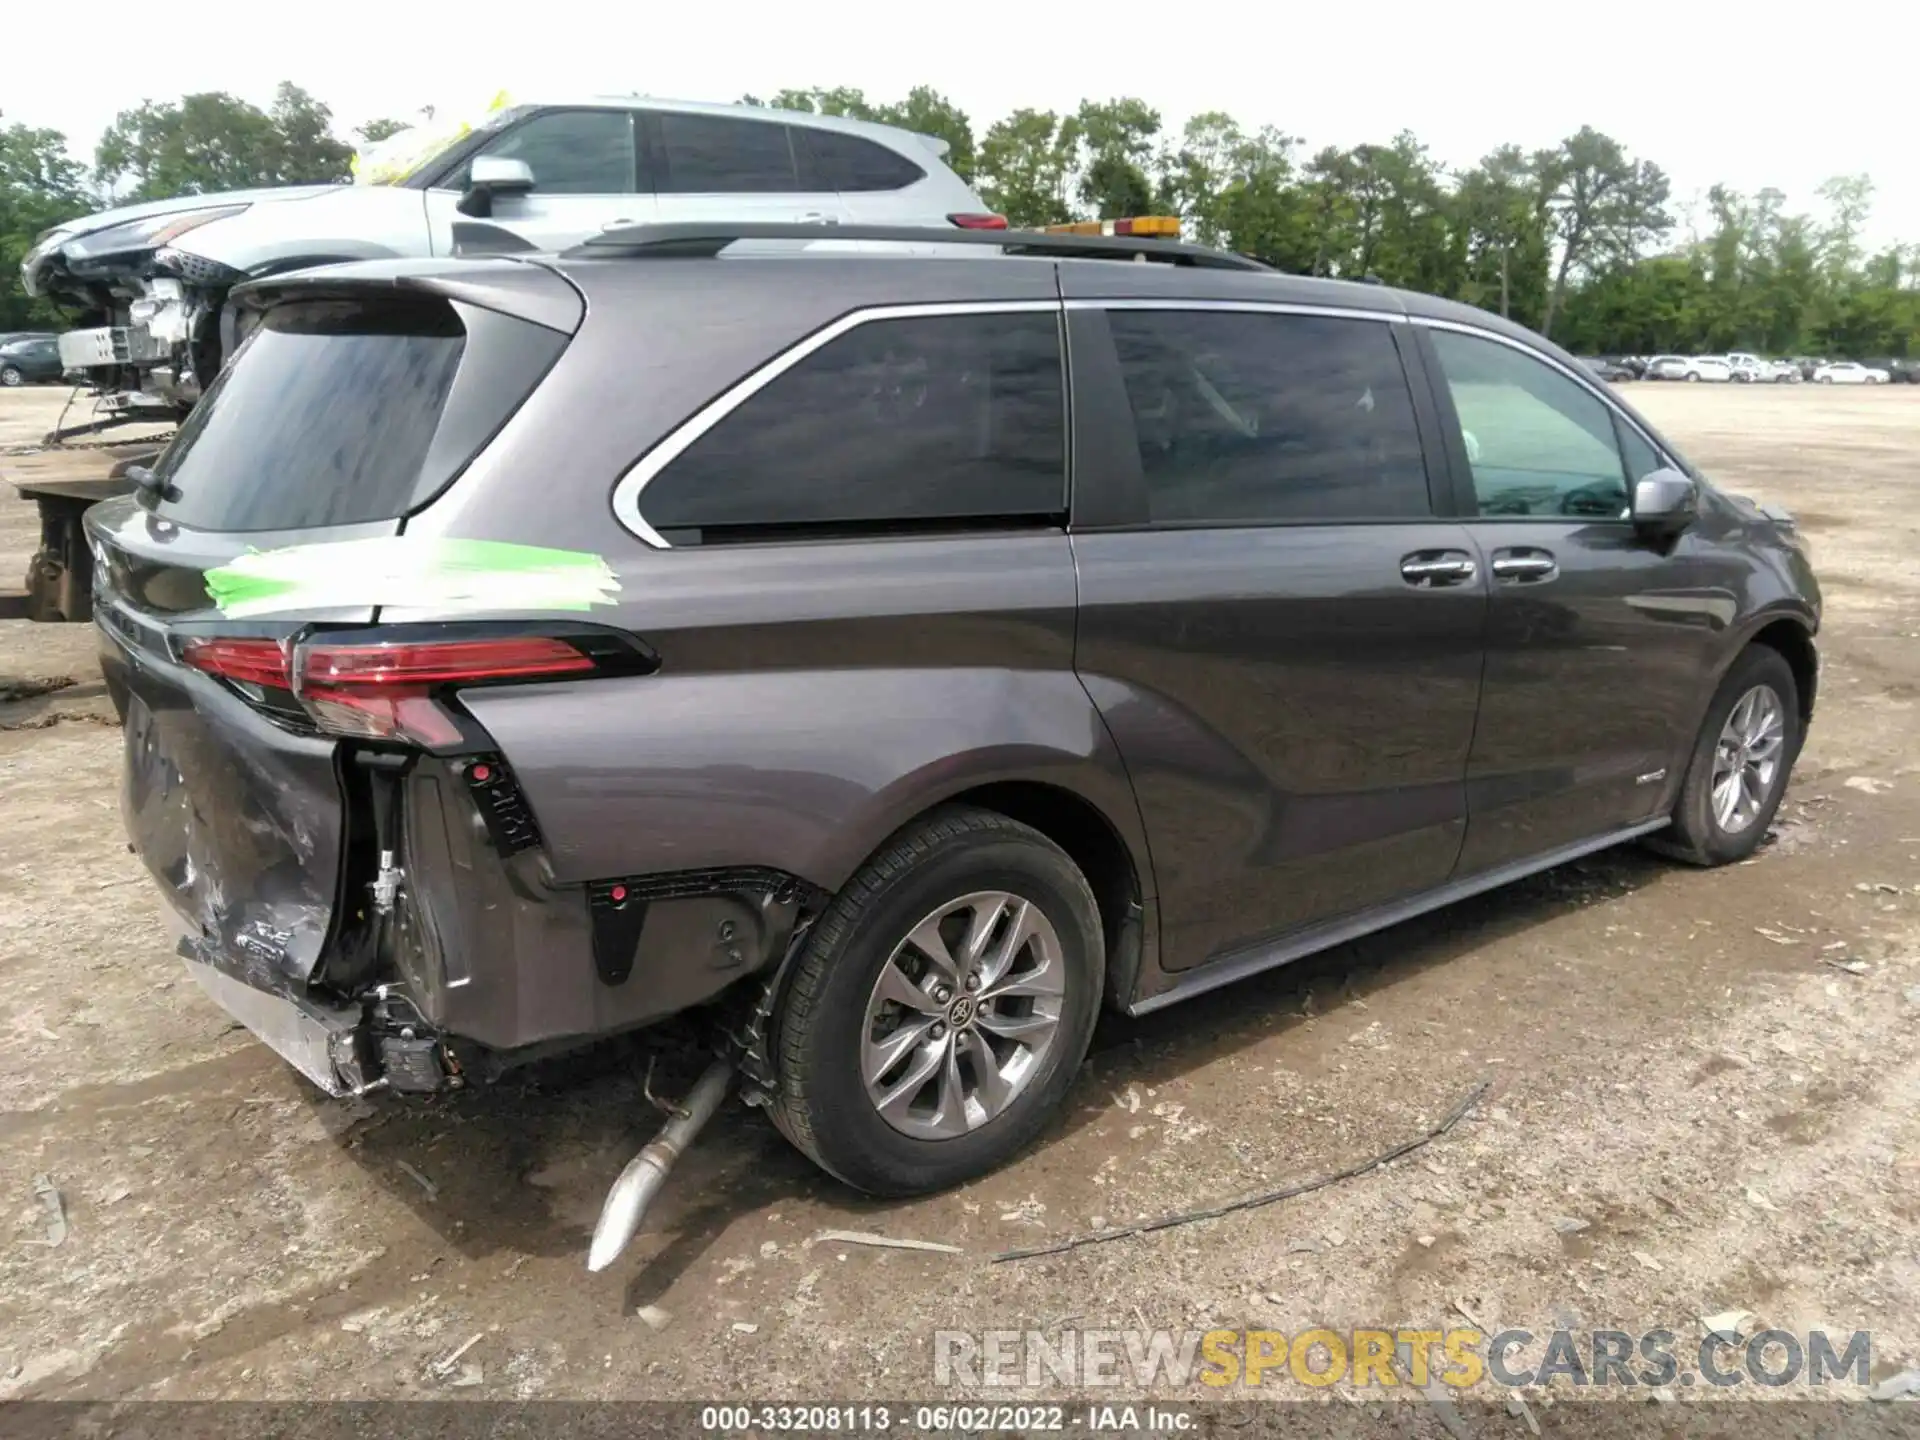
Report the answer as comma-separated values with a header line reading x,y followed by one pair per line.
x,y
705,239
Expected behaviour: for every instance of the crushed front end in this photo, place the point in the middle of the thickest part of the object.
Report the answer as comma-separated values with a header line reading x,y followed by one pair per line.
x,y
148,310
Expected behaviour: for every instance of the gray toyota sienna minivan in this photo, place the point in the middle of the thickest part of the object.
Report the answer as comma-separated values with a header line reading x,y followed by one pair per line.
x,y
898,656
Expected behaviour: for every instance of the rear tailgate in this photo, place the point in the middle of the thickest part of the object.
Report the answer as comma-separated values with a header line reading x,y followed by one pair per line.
x,y
239,816
352,403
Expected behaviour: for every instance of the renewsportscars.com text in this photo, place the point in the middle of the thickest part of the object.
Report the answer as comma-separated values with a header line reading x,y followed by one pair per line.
x,y
1384,1358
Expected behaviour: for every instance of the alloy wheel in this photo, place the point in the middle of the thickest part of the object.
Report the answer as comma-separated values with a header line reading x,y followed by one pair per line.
x,y
1746,758
963,1015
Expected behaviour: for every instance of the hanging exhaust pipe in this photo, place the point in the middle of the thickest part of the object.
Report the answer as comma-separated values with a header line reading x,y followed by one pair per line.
x,y
633,1193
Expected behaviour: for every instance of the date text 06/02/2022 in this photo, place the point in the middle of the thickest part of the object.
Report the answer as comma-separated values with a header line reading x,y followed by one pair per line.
x,y
945,1418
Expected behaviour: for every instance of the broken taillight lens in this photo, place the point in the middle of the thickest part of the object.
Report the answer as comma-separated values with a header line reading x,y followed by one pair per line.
x,y
385,691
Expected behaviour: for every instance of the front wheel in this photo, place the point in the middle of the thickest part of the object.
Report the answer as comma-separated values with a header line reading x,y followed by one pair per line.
x,y
1693,375
10,376
942,1006
1740,763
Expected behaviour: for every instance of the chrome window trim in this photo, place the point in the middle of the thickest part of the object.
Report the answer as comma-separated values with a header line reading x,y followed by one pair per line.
x,y
1252,307
627,491
1589,383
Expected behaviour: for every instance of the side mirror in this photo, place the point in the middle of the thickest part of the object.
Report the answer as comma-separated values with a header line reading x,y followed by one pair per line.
x,y
1663,503
490,176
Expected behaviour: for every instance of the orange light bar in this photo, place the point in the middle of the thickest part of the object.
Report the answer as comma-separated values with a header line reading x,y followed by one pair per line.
x,y
1167,227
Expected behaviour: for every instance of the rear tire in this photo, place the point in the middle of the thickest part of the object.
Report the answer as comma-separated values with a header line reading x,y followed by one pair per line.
x,y
859,1022
10,377
1725,767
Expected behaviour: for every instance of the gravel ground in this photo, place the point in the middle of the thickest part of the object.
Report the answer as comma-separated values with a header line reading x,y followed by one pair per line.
x,y
1705,1097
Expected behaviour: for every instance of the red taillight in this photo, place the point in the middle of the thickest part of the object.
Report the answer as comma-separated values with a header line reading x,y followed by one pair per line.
x,y
446,662
252,662
385,691
979,222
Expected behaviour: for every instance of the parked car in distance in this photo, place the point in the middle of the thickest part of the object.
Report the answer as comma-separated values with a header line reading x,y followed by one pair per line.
x,y
1752,369
848,678
29,361
1689,367
150,282
1849,372
1609,370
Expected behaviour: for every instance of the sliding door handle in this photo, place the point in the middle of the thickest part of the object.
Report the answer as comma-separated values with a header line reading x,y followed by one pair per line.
x,y
1524,565
1430,569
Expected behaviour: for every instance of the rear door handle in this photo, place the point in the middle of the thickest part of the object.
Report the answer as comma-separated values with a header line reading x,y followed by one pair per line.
x,y
1524,565
818,217
1431,569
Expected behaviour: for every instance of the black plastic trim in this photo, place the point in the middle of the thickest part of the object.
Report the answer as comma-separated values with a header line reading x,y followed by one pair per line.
x,y
1226,968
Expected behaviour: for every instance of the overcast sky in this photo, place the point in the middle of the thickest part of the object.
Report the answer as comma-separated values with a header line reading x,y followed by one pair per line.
x,y
1742,93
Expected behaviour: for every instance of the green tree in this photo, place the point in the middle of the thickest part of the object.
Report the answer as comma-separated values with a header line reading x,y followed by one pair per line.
x,y
41,184
1235,189
1026,166
211,141
374,131
1500,216
1592,193
1117,141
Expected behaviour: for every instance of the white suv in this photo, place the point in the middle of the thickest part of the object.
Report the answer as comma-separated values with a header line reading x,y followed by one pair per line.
x,y
151,281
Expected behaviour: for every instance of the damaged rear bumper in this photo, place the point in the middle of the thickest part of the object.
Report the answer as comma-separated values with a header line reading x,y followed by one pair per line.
x,y
321,1044
378,1042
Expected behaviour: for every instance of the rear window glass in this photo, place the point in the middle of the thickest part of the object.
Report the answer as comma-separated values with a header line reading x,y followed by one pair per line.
x,y
846,162
325,417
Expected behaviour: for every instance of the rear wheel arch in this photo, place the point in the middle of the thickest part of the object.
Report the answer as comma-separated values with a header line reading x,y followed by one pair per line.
x,y
1115,867
1096,846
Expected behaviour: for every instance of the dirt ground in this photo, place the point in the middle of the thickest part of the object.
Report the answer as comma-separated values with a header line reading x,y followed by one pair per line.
x,y
1696,1105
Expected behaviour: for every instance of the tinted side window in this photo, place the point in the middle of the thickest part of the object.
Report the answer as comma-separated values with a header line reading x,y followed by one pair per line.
x,y
896,422
711,154
571,152
832,161
1539,444
1248,418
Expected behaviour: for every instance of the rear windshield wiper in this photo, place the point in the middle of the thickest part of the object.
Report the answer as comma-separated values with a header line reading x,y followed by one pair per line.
x,y
147,483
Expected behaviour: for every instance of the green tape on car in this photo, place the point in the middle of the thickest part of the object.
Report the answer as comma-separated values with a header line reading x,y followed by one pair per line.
x,y
398,570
